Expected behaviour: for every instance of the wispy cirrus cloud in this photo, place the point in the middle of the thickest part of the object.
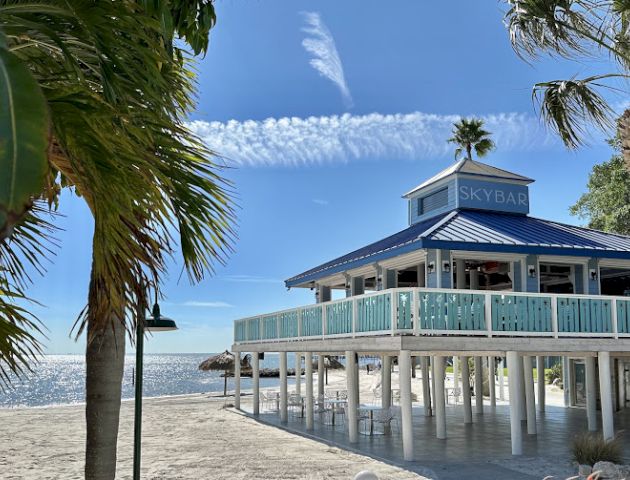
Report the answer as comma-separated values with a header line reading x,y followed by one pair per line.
x,y
320,201
294,141
196,303
321,45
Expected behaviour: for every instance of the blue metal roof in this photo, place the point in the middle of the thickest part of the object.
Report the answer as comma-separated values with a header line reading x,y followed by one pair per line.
x,y
391,246
481,231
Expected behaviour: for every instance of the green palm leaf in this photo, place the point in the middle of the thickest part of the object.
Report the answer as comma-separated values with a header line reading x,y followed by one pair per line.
x,y
24,133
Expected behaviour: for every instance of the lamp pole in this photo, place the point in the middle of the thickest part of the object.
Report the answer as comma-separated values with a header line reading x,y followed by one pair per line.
x,y
156,323
137,419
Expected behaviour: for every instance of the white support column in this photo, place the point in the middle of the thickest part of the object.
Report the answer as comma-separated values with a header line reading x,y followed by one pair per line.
x,y
432,360
357,383
440,403
386,381
426,389
591,394
514,385
256,381
540,373
566,381
605,395
523,399
237,380
320,375
621,380
406,412
298,373
308,360
478,386
283,388
502,379
466,390
530,400
491,380
353,401
455,373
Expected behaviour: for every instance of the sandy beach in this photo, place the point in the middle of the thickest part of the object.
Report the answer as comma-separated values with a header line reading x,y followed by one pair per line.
x,y
185,437
196,436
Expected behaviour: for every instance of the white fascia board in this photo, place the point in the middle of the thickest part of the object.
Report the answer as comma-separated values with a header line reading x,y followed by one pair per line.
x,y
614,263
404,261
561,259
490,256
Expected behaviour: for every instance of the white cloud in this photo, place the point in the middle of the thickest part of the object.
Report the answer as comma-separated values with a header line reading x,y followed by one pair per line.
x,y
321,45
320,201
195,303
294,141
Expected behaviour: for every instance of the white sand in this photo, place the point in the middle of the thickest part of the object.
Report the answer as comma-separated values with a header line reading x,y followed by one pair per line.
x,y
190,437
193,437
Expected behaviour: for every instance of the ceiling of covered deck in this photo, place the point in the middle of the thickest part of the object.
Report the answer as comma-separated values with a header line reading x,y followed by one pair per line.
x,y
475,231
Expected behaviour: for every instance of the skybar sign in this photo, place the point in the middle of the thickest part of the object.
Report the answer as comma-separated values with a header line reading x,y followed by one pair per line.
x,y
484,195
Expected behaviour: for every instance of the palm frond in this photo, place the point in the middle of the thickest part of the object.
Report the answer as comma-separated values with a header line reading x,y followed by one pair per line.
x,y
483,147
570,106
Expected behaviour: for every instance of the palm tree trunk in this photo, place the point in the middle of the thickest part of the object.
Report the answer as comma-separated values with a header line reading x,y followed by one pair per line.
x,y
105,362
469,151
624,134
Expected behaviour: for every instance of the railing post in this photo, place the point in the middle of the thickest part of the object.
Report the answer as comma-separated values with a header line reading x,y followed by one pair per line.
x,y
394,314
415,306
613,317
355,309
488,313
299,321
554,316
324,322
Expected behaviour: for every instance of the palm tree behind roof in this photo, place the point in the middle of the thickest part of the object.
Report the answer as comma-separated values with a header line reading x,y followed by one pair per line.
x,y
470,135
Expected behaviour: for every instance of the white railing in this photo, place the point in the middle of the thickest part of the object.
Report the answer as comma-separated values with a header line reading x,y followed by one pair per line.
x,y
428,311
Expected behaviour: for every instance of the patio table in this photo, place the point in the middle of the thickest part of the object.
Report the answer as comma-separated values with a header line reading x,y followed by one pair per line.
x,y
371,409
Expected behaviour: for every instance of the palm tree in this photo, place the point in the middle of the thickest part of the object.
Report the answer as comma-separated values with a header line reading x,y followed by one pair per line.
x,y
577,30
114,134
469,135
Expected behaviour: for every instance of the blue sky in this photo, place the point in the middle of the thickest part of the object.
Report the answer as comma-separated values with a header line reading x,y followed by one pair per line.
x,y
324,137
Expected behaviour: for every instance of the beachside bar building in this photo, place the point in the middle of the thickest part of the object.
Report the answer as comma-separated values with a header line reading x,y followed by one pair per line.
x,y
473,275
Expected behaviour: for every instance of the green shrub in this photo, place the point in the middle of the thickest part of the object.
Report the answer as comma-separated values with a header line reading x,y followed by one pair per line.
x,y
555,373
590,448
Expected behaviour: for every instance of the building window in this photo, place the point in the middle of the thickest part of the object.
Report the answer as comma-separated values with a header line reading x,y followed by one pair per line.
x,y
433,201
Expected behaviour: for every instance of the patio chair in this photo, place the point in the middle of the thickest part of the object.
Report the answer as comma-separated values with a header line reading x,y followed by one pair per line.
x,y
363,418
295,405
386,419
454,393
395,396
272,401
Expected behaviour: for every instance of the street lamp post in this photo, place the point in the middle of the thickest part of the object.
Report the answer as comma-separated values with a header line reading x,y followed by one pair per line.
x,y
155,323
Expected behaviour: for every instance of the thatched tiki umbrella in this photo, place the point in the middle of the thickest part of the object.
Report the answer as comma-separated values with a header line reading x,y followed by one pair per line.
x,y
223,362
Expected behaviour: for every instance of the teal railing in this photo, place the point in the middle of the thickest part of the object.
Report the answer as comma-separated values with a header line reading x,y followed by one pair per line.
x,y
414,310
311,321
584,315
339,317
452,311
374,313
623,316
521,313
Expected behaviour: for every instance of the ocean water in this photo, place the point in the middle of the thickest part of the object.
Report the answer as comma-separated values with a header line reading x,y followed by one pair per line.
x,y
60,379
